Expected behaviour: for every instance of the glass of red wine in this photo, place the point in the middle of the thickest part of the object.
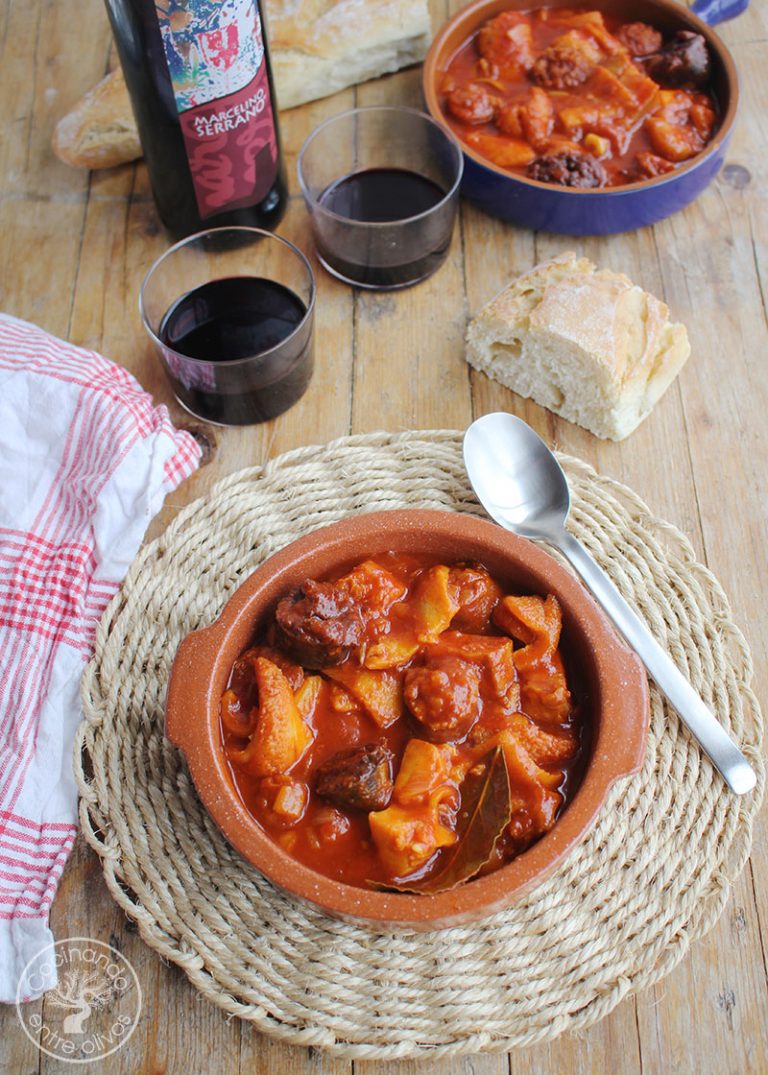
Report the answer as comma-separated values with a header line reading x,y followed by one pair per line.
x,y
231,313
382,188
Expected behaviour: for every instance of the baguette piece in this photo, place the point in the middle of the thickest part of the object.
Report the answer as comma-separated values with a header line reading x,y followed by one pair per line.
x,y
321,46
584,342
317,47
100,131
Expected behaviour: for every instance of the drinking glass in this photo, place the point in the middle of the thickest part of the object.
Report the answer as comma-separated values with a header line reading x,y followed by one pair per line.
x,y
231,314
382,186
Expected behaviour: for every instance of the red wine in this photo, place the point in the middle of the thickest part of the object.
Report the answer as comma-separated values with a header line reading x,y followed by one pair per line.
x,y
381,255
202,93
380,195
238,318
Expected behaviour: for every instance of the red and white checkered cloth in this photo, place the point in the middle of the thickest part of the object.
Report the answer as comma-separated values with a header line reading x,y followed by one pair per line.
x,y
85,463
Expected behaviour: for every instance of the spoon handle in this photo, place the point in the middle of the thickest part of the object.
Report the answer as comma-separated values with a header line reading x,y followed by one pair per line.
x,y
713,738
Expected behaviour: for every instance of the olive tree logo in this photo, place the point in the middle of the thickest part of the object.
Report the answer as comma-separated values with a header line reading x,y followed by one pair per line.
x,y
92,1000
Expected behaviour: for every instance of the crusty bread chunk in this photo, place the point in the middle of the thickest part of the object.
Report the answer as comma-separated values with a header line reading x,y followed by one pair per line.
x,y
319,47
587,343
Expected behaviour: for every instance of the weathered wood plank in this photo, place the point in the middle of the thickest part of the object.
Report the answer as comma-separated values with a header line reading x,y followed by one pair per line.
x,y
43,71
466,1065
717,264
409,368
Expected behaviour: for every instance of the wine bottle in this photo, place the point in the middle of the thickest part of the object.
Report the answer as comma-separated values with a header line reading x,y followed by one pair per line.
x,y
200,82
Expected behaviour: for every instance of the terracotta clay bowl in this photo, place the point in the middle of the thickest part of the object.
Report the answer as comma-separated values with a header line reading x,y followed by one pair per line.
x,y
612,688
555,208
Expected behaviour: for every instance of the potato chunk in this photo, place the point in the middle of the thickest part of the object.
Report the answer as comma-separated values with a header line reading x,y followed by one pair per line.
x,y
286,799
407,837
378,692
424,768
418,820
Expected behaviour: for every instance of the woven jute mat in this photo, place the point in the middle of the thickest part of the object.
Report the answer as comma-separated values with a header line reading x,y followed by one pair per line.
x,y
652,875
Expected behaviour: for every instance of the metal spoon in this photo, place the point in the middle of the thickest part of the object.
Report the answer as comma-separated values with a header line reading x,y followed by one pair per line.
x,y
523,488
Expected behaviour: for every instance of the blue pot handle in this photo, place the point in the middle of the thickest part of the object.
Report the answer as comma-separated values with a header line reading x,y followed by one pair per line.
x,y
715,11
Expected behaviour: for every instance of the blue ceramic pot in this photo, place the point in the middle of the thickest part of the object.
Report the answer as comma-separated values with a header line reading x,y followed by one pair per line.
x,y
550,207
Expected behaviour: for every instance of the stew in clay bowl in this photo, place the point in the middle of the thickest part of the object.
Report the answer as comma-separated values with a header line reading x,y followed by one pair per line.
x,y
584,118
407,718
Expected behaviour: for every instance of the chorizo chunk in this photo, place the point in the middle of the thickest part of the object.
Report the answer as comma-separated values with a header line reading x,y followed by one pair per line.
x,y
561,68
568,169
568,61
683,62
640,38
471,104
477,595
319,624
444,696
357,779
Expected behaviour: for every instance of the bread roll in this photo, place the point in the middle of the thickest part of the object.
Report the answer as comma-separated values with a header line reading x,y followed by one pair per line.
x,y
317,47
586,343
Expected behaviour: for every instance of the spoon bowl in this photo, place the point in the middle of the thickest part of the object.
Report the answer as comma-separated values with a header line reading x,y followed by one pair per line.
x,y
523,488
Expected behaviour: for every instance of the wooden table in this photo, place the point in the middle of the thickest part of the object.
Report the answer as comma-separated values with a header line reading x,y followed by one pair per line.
x,y
75,246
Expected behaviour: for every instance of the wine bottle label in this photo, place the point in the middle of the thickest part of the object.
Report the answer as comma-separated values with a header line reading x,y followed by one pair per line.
x,y
215,55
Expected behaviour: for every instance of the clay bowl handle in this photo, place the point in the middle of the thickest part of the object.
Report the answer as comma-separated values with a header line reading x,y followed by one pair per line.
x,y
188,700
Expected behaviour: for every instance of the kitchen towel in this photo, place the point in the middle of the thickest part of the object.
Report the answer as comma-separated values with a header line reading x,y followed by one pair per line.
x,y
86,461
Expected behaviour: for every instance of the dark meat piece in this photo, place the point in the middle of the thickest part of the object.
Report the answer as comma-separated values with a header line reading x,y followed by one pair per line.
x,y
683,62
477,595
640,38
319,625
357,779
444,696
568,169
561,68
471,105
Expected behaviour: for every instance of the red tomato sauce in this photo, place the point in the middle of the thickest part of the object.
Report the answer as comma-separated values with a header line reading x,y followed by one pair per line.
x,y
434,680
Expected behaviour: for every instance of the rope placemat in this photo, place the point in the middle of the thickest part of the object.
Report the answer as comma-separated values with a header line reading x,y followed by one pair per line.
x,y
620,912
